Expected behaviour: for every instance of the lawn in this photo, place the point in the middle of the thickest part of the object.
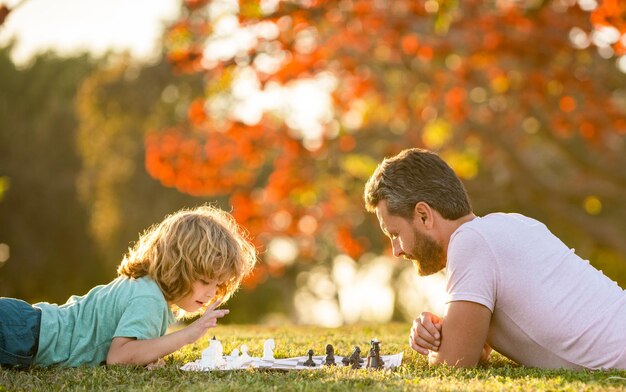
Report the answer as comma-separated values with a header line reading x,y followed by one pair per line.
x,y
501,375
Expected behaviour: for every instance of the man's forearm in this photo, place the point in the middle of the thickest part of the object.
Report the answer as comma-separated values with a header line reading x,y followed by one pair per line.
x,y
435,358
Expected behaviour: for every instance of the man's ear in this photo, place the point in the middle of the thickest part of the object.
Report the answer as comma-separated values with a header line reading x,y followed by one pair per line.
x,y
423,214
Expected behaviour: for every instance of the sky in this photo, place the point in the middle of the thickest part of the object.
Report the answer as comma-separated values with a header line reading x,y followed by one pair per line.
x,y
72,26
75,26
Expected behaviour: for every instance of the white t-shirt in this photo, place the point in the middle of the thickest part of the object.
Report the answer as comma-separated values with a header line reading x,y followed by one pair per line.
x,y
550,308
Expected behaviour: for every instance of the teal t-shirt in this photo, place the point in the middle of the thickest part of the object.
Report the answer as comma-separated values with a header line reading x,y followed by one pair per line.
x,y
80,331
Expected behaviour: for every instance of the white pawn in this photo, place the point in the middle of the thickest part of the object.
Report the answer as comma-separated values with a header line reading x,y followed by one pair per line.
x,y
233,360
268,350
245,358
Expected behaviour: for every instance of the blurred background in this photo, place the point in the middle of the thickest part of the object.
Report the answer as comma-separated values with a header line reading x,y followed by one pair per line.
x,y
114,114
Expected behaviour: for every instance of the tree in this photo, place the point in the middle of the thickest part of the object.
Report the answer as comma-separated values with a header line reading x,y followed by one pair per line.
x,y
118,107
512,94
42,223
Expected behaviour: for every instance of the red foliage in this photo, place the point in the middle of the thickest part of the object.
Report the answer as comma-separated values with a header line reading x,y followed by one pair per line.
x,y
4,12
490,72
612,13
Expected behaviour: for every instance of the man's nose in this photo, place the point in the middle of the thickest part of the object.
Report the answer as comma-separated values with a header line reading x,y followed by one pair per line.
x,y
397,249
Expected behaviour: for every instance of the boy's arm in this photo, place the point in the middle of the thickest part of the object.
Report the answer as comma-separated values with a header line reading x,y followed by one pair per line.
x,y
463,334
125,350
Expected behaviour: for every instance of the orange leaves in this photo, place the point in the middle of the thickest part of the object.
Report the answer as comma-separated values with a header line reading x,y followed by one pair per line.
x,y
612,13
410,44
4,12
348,244
297,66
425,54
213,163
588,130
347,143
187,60
567,104
195,4
455,103
407,73
196,113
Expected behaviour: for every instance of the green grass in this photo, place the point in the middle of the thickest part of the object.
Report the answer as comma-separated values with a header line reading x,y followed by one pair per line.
x,y
501,375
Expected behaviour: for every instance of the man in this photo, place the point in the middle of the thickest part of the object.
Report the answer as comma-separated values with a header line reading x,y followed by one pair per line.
x,y
511,284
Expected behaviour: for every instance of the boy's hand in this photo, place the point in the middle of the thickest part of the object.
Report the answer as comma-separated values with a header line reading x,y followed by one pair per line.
x,y
426,333
198,328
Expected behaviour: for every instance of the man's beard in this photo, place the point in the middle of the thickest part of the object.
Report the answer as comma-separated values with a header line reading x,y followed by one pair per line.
x,y
428,256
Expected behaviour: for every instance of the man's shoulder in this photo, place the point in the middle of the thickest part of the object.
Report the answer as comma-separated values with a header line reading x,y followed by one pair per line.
x,y
493,231
497,223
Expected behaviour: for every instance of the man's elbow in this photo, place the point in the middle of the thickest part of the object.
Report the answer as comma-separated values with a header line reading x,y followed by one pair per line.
x,y
437,359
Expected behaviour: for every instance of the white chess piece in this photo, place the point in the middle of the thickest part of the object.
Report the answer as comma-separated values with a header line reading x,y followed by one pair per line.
x,y
207,356
268,350
212,356
232,361
219,352
245,358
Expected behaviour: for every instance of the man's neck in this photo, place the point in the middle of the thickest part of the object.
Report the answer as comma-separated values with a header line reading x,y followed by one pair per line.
x,y
450,226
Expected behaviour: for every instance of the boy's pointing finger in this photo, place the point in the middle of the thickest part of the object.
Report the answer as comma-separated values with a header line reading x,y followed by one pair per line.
x,y
217,313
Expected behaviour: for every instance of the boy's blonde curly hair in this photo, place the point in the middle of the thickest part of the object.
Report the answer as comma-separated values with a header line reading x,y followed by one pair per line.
x,y
192,244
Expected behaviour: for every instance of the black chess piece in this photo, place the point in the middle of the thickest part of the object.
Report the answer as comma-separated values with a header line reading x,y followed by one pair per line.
x,y
345,360
374,361
309,362
330,355
355,358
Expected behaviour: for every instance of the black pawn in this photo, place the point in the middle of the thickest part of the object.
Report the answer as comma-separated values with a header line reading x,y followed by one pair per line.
x,y
355,358
374,361
330,355
309,362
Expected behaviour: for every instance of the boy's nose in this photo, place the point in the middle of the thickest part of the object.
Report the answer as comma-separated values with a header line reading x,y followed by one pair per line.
x,y
212,291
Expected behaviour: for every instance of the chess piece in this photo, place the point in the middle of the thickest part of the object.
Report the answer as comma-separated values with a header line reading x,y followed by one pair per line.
x,y
374,361
233,360
309,362
345,361
355,358
268,350
244,358
330,355
212,355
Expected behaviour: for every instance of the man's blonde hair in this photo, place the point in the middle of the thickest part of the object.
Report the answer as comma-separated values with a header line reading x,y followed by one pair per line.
x,y
189,245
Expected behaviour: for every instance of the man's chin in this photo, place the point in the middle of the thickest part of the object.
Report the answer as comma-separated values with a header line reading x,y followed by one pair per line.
x,y
421,271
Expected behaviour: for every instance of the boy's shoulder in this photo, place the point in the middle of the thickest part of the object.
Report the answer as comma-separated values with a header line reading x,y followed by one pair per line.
x,y
142,285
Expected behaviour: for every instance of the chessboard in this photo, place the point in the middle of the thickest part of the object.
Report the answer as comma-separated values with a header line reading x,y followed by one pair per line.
x,y
295,363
